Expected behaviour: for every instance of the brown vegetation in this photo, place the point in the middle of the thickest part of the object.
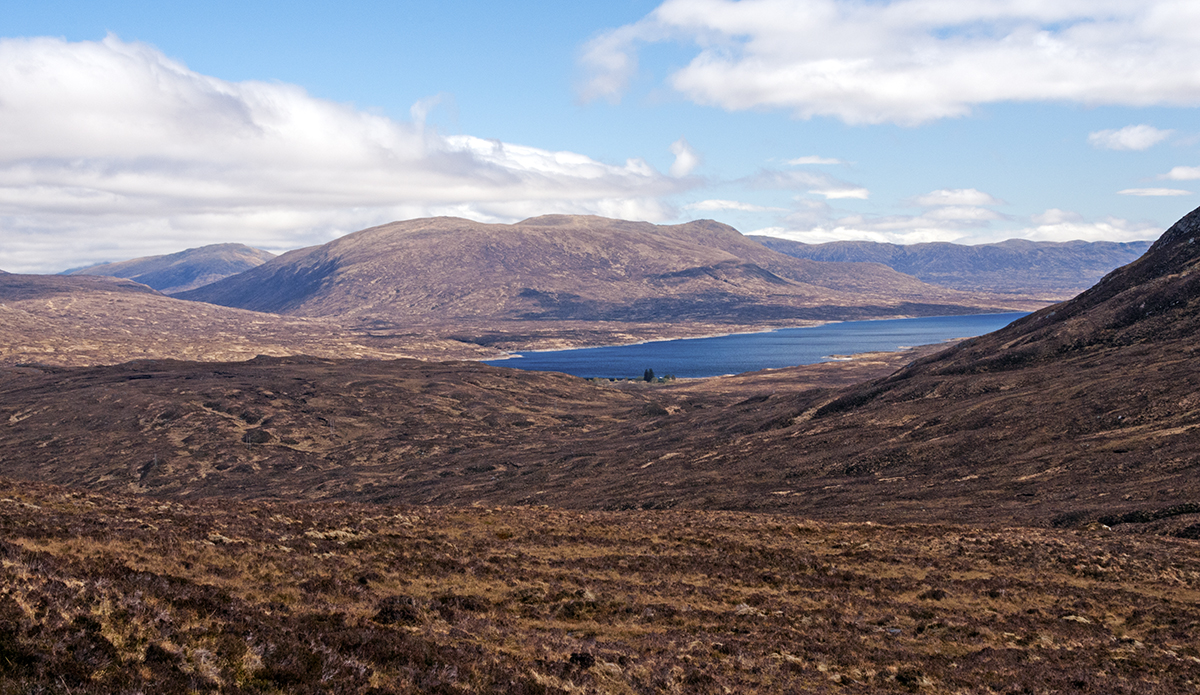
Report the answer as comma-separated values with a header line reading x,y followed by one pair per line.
x,y
123,595
85,320
489,280
1068,442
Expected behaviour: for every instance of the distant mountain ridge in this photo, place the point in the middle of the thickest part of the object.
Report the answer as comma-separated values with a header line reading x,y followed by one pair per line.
x,y
185,270
1086,411
1062,269
95,319
571,268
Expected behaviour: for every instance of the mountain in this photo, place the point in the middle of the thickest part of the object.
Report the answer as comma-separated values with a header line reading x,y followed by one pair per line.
x,y
450,272
186,270
1052,269
1084,410
93,319
250,526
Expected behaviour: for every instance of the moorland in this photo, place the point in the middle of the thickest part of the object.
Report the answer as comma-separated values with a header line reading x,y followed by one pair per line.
x,y
1017,512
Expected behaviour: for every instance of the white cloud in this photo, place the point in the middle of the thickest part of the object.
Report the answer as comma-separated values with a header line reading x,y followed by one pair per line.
x,y
1055,216
962,213
686,158
1070,226
1131,138
837,193
956,196
798,161
1153,192
814,183
912,61
958,225
109,150
1182,174
718,205
854,229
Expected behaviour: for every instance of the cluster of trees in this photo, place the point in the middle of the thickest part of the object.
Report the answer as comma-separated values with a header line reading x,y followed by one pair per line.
x,y
647,376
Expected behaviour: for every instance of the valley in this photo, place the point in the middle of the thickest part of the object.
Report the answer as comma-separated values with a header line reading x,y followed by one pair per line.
x,y
361,506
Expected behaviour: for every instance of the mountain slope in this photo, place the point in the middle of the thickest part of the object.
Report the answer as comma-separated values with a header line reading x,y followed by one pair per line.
x,y
186,270
452,271
86,319
1057,269
1088,410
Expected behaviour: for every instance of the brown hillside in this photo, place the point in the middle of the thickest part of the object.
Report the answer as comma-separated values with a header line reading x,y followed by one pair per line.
x,y
1082,411
109,595
459,274
82,320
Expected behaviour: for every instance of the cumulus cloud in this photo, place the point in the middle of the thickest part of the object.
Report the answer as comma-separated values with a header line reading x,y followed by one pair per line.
x,y
956,196
1182,174
1131,138
963,225
109,149
911,61
1153,192
857,228
1059,225
686,159
1056,216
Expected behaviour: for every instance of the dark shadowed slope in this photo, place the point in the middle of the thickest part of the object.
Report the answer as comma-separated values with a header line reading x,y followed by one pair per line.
x,y
454,272
1052,269
186,270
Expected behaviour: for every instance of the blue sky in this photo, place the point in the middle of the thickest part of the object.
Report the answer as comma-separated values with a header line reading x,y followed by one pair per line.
x,y
137,128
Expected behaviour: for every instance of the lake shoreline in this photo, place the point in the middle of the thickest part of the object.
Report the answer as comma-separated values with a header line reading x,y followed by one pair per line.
x,y
749,351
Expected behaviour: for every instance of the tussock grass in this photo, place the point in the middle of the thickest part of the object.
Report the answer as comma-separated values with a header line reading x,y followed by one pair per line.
x,y
103,594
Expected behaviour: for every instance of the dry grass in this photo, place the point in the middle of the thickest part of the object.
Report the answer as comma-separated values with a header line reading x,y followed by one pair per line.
x,y
113,595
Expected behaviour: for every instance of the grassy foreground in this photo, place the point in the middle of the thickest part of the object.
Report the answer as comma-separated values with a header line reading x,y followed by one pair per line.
x,y
100,594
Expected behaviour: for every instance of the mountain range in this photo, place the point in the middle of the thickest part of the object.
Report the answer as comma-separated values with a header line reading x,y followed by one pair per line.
x,y
1057,270
1082,410
449,288
186,270
449,271
1018,512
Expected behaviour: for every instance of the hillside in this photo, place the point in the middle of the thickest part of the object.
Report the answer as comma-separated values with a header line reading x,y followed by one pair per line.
x,y
186,270
84,320
1085,410
114,595
460,275
1058,270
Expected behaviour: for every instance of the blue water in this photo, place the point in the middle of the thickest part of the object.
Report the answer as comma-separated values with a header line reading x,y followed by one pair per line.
x,y
748,352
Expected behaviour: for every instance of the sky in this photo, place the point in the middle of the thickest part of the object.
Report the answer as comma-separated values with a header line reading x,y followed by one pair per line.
x,y
133,128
